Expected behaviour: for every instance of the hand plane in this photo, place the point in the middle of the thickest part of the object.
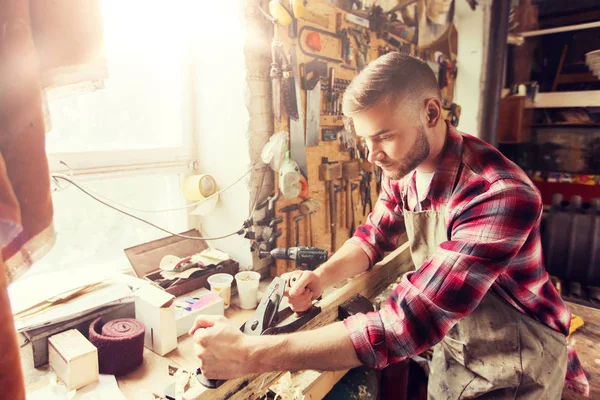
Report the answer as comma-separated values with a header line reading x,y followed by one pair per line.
x,y
265,321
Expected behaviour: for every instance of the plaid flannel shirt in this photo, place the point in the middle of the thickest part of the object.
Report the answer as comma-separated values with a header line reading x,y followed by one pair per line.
x,y
493,214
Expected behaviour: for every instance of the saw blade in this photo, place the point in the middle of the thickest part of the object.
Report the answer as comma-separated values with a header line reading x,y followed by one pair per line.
x,y
313,115
297,147
288,94
276,96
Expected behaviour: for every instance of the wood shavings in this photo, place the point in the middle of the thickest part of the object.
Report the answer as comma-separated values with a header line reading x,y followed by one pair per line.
x,y
287,389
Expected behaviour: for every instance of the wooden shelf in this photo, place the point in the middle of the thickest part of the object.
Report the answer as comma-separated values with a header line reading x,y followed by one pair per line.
x,y
583,77
564,125
586,98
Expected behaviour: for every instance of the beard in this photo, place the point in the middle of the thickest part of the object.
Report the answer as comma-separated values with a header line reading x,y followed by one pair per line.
x,y
418,153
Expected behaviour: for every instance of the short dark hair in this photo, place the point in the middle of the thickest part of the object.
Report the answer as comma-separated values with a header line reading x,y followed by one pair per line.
x,y
386,79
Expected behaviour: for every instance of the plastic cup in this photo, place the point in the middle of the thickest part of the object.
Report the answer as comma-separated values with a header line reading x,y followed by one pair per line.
x,y
247,284
221,285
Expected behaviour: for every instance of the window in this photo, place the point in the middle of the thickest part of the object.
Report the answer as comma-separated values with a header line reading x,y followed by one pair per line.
x,y
131,141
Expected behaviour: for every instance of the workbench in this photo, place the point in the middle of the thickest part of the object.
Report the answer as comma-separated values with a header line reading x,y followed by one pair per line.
x,y
152,376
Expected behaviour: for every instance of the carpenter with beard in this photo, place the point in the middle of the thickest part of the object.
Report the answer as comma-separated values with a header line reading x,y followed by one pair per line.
x,y
479,295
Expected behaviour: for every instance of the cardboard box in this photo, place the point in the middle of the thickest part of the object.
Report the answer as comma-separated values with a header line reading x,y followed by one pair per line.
x,y
155,309
73,358
145,260
198,302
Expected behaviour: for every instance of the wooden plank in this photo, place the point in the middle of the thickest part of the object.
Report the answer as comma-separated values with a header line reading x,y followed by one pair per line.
x,y
585,98
559,29
323,384
369,284
582,77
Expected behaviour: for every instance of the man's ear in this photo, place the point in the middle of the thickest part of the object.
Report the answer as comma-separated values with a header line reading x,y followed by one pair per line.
x,y
433,108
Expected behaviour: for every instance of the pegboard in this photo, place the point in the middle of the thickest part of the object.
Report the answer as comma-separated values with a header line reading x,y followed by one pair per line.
x,y
335,19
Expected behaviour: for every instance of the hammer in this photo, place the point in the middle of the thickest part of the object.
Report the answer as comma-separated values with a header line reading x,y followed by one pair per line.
x,y
329,171
297,220
287,210
308,207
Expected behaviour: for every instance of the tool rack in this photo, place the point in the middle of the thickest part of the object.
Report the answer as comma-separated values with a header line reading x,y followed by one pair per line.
x,y
340,49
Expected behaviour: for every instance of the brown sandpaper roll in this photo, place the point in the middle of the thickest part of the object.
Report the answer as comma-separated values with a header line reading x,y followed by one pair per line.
x,y
120,344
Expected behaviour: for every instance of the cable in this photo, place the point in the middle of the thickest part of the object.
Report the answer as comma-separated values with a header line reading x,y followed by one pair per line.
x,y
88,192
55,176
157,211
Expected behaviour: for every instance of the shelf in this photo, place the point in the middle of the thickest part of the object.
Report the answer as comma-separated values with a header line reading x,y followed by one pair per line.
x,y
560,29
565,125
586,98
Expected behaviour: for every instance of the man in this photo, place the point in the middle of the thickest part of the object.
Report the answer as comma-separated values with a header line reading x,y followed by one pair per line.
x,y
480,290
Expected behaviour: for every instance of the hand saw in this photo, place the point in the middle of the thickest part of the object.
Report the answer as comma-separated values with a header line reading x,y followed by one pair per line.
x,y
276,74
265,322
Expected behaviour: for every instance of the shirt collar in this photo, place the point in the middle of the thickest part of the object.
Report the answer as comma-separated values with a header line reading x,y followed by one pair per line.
x,y
446,172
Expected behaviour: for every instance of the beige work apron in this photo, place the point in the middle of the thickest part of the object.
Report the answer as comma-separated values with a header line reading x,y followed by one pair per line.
x,y
495,352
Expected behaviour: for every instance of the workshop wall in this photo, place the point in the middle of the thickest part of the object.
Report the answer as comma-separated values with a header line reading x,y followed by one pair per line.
x,y
233,118
221,121
469,24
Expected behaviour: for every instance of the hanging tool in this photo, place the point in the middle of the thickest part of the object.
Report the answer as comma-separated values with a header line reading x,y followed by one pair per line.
x,y
313,115
352,223
313,41
350,171
297,220
265,321
276,74
307,258
312,72
365,192
362,41
269,203
311,29
339,207
329,171
287,210
288,87
309,207
271,243
297,146
331,99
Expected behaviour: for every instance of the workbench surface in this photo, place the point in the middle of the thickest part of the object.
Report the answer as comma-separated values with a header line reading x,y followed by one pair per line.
x,y
152,376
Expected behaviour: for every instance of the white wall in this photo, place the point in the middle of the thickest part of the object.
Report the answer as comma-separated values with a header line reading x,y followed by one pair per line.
x,y
221,122
469,25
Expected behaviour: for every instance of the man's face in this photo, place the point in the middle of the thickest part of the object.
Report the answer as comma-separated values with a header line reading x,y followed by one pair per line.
x,y
397,140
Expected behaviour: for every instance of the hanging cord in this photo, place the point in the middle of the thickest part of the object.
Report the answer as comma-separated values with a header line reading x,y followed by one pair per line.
x,y
70,179
238,232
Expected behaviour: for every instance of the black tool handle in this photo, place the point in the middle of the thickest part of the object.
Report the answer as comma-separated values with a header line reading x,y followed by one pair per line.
x,y
208,383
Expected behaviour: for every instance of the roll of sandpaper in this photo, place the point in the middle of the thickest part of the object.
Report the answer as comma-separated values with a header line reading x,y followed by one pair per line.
x,y
120,344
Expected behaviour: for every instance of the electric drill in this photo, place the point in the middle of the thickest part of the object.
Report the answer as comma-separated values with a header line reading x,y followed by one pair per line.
x,y
307,258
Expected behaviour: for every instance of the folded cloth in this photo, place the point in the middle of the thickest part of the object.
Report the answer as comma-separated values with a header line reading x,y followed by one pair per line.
x,y
120,344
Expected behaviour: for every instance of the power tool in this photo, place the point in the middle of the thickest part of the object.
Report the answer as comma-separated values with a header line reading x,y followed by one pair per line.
x,y
307,258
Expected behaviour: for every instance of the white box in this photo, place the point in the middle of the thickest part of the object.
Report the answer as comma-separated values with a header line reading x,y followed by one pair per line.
x,y
155,309
73,358
205,303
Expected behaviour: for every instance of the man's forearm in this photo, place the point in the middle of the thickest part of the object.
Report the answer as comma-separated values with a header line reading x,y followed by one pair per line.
x,y
350,260
326,349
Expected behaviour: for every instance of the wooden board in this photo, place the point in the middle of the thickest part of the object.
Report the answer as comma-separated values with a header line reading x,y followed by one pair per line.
x,y
369,284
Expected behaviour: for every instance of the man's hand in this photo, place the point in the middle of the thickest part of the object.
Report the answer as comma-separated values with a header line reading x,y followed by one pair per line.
x,y
223,351
302,288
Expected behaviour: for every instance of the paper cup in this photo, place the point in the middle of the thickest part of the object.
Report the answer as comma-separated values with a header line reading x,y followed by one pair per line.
x,y
247,284
221,285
